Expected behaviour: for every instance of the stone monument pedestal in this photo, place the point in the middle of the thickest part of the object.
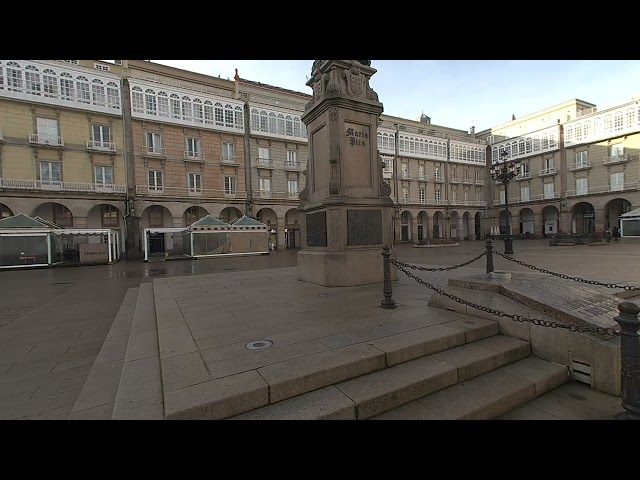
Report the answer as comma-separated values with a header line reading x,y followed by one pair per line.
x,y
345,204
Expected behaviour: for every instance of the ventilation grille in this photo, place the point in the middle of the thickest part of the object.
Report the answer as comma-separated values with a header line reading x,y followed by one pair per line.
x,y
580,370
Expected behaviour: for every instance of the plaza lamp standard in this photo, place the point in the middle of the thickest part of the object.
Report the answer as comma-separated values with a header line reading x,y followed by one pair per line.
x,y
504,172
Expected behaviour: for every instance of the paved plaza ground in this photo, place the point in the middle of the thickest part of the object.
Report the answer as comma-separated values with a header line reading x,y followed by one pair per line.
x,y
53,322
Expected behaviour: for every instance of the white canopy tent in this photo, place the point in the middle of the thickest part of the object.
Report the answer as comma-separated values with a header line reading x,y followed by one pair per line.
x,y
630,223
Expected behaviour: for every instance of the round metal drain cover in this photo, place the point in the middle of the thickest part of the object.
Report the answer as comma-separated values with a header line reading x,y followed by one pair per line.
x,y
258,344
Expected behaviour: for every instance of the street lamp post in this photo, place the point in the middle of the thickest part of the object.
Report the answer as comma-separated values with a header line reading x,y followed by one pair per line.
x,y
504,173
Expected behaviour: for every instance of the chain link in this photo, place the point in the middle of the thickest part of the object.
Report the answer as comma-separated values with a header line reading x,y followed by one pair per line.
x,y
438,269
562,275
515,317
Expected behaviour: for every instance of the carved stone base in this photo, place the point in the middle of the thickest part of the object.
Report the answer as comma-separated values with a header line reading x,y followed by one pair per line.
x,y
343,269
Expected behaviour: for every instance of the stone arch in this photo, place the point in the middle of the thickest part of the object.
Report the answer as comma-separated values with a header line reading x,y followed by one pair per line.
x,y
405,226
105,215
526,221
454,227
156,216
583,221
192,214
423,225
467,227
230,214
56,212
292,221
613,209
550,221
438,225
5,211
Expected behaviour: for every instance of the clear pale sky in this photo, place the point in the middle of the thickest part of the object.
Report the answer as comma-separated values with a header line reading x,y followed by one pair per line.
x,y
458,93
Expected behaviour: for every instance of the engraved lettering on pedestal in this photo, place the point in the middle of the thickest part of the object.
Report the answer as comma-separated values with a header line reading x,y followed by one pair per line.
x,y
364,227
357,137
317,229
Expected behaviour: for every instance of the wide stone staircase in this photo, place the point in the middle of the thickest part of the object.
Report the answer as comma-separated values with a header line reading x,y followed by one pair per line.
x,y
460,368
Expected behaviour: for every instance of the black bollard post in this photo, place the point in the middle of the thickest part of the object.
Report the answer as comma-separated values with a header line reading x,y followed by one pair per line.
x,y
630,353
387,302
489,247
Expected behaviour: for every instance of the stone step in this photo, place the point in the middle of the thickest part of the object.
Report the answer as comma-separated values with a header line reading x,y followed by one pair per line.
x,y
286,378
139,395
386,389
487,396
98,394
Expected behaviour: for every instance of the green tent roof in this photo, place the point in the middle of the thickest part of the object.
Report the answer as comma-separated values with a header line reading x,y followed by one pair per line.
x,y
209,221
247,221
25,221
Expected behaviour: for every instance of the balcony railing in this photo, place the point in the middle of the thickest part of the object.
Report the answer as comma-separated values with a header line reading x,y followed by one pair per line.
x,y
101,146
229,159
61,186
264,163
45,139
422,178
532,198
547,171
455,180
479,181
154,151
387,173
263,194
438,178
146,190
604,189
193,156
580,166
406,176
616,159
523,176
294,195
434,201
293,166
467,181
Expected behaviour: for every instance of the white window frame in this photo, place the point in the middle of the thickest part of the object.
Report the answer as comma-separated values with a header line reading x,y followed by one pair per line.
x,y
616,181
101,171
582,186
98,135
437,197
230,184
155,180
263,153
104,68
47,130
524,193
194,182
50,171
155,145
265,187
422,195
193,147
292,186
549,190
582,158
292,158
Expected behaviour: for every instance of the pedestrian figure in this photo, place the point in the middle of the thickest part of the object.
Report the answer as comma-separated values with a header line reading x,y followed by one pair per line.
x,y
615,233
607,235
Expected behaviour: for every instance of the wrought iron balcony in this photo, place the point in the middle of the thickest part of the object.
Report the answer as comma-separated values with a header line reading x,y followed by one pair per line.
x,y
264,163
101,146
229,159
479,181
438,178
455,180
177,192
293,166
154,151
523,176
616,159
467,181
193,156
547,171
580,166
46,139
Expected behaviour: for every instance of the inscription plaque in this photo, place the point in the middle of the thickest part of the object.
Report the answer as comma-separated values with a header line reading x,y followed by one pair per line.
x,y
364,227
317,229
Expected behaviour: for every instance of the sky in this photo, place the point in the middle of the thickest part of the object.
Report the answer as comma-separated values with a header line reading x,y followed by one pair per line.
x,y
458,93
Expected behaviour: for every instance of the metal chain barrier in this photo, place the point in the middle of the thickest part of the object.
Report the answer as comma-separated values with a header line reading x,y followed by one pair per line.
x,y
438,269
518,318
562,275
